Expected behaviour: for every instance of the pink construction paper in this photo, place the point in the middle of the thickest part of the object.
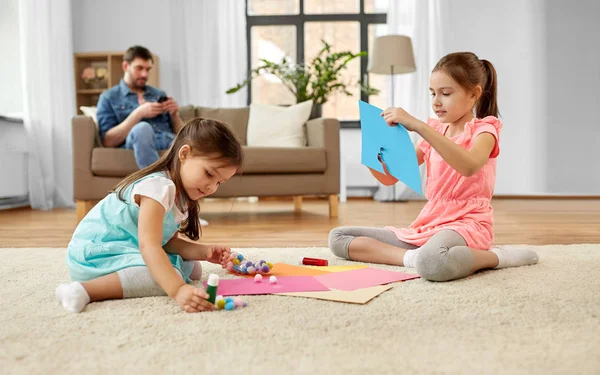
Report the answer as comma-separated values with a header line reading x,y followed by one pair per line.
x,y
362,278
285,284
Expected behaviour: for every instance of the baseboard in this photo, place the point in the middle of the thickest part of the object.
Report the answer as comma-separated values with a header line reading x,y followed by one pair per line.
x,y
361,191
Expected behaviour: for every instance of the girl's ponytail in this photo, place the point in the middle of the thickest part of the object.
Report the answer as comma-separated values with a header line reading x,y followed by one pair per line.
x,y
487,104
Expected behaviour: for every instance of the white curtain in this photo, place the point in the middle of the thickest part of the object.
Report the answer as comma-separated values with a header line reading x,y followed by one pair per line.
x,y
209,45
423,21
48,99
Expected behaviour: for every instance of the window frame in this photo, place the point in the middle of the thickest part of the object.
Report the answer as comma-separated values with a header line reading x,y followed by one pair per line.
x,y
298,20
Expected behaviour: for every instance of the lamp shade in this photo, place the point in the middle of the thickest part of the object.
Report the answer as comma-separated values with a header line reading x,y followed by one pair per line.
x,y
392,54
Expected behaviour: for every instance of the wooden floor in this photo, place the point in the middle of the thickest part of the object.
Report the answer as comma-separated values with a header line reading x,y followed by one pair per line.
x,y
274,224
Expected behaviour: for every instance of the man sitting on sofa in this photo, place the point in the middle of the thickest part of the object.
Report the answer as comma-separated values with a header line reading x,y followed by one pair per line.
x,y
137,116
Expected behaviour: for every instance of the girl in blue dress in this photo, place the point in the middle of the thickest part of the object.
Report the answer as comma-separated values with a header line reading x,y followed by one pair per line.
x,y
129,245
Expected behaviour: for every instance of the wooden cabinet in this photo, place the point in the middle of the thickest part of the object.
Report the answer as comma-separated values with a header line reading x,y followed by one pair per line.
x,y
98,71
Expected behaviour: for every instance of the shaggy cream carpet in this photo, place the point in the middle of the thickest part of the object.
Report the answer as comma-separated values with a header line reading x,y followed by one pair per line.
x,y
531,320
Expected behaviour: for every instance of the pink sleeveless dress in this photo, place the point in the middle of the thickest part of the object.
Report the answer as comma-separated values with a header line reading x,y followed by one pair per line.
x,y
456,202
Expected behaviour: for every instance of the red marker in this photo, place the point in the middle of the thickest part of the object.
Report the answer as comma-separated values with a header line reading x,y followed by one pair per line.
x,y
314,262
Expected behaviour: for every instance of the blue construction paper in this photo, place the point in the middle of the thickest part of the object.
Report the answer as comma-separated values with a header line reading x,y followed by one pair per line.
x,y
397,150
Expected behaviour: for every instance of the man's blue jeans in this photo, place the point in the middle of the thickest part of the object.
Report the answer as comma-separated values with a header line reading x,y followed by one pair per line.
x,y
145,143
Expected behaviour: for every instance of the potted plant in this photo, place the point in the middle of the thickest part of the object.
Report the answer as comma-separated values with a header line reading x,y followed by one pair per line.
x,y
315,81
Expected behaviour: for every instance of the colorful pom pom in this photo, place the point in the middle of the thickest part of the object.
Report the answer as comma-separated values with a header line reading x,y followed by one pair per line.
x,y
243,266
229,303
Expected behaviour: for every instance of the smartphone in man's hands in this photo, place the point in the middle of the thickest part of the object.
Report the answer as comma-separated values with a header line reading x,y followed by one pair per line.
x,y
163,98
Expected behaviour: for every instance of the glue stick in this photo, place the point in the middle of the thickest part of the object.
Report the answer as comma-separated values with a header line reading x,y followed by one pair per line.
x,y
211,287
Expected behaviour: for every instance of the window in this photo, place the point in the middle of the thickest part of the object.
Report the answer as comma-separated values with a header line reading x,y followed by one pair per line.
x,y
294,29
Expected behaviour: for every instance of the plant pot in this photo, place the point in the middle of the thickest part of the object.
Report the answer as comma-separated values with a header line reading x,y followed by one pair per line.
x,y
102,83
317,111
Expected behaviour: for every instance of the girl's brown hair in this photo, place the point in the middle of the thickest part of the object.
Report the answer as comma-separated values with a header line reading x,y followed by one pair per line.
x,y
208,138
469,71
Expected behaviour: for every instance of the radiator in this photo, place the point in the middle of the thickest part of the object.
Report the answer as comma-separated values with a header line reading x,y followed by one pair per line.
x,y
13,179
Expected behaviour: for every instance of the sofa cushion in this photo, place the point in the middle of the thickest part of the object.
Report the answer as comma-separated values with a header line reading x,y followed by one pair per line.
x,y
114,162
119,162
236,118
284,160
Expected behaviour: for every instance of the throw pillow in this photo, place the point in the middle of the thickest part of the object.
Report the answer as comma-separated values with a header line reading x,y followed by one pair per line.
x,y
275,126
90,112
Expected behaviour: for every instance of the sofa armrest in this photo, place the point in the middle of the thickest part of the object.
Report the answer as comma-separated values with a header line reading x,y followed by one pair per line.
x,y
84,138
325,133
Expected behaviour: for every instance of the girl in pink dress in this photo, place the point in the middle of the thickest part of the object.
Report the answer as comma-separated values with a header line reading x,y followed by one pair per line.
x,y
450,237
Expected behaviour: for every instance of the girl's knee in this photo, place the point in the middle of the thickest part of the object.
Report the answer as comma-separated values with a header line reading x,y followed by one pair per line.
x,y
338,242
432,263
443,264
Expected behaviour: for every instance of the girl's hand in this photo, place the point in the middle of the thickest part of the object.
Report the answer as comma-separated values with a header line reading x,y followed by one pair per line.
x,y
394,116
218,255
192,299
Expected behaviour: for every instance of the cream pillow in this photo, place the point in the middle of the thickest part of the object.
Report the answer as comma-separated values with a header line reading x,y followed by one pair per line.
x,y
90,112
275,126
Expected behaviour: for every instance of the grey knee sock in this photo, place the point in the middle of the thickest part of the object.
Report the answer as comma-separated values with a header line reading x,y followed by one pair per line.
x,y
339,242
444,264
340,238
138,282
444,257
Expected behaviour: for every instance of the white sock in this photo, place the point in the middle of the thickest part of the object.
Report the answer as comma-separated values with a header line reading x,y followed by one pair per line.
x,y
510,256
72,297
409,258
196,272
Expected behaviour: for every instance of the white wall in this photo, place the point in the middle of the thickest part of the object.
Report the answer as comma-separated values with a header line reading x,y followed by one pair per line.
x,y
547,60
512,39
11,91
572,97
546,56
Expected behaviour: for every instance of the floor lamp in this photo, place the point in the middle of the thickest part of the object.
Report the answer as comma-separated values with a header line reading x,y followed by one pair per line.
x,y
392,54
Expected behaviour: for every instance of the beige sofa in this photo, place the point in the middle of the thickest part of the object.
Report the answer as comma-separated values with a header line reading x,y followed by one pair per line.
x,y
267,171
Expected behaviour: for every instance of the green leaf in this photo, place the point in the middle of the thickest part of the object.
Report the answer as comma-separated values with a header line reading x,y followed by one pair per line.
x,y
314,81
